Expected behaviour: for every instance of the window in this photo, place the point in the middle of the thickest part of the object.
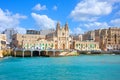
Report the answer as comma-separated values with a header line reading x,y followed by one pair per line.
x,y
76,45
63,34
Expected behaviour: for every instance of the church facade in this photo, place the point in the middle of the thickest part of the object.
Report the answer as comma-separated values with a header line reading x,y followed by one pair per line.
x,y
60,37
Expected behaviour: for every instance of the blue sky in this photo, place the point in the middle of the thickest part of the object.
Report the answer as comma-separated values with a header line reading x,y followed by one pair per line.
x,y
81,15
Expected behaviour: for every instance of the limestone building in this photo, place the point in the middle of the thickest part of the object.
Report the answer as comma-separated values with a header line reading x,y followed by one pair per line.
x,y
90,35
112,39
3,41
27,41
78,37
62,38
109,39
86,45
9,32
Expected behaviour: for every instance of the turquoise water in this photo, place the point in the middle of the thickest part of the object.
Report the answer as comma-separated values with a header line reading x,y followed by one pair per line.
x,y
83,67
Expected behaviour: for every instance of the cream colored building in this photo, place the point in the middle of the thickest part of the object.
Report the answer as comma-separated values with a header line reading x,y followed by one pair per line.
x,y
29,41
86,45
109,38
3,42
112,39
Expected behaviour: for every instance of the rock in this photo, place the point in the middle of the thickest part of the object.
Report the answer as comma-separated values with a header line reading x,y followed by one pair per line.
x,y
63,54
1,55
73,53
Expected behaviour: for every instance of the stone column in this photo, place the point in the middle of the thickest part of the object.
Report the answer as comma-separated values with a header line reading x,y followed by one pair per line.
x,y
46,52
31,53
39,53
53,53
15,53
22,53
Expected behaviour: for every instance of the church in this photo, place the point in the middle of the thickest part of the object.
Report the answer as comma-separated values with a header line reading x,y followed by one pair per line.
x,y
61,37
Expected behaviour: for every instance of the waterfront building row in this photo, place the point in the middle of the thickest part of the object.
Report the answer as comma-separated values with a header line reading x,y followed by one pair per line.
x,y
58,39
106,39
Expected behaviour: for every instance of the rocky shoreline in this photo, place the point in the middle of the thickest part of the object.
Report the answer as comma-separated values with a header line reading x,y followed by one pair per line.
x,y
4,53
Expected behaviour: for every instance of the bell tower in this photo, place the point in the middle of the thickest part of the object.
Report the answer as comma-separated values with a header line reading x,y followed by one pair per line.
x,y
58,28
66,29
66,26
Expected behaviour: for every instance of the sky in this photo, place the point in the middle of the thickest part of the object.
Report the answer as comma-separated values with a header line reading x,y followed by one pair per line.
x,y
81,15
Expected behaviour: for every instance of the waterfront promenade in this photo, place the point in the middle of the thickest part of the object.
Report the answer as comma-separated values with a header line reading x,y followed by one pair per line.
x,y
35,52
53,53
45,53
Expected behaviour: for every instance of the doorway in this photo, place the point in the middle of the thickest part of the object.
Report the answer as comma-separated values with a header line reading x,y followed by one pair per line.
x,y
63,46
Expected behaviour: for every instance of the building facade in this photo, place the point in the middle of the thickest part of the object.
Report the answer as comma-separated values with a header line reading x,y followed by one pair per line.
x,y
90,35
62,38
9,33
3,41
78,37
112,39
27,41
86,45
109,39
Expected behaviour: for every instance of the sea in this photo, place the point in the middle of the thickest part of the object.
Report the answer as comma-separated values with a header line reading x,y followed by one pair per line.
x,y
83,67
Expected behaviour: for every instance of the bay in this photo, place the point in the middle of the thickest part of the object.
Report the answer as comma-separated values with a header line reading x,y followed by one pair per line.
x,y
83,67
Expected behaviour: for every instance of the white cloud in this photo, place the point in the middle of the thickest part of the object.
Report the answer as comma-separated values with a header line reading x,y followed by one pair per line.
x,y
77,30
84,27
43,21
93,25
21,30
117,13
9,20
115,22
90,10
55,7
111,1
39,7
